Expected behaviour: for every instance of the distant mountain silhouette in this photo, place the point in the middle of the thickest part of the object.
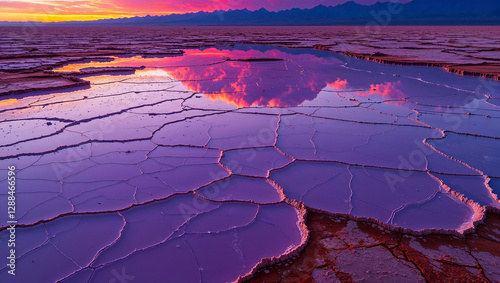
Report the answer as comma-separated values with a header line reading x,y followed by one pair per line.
x,y
417,12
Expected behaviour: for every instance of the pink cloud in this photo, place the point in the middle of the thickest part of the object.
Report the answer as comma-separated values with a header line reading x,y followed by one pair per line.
x,y
388,89
338,84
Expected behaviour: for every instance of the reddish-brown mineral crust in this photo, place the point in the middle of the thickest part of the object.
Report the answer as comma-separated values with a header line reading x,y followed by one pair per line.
x,y
343,250
485,70
322,47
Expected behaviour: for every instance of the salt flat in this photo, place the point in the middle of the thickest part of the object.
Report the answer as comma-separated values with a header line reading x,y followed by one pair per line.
x,y
197,161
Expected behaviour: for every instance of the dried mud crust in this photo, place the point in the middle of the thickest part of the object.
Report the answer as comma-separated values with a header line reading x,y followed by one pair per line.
x,y
344,250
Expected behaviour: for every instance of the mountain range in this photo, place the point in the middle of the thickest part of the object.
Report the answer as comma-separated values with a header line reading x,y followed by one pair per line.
x,y
416,12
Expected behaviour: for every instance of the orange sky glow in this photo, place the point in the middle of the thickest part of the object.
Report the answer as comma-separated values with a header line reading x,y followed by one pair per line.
x,y
85,10
82,10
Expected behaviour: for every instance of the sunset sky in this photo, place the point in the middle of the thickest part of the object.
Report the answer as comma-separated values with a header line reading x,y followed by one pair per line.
x,y
65,10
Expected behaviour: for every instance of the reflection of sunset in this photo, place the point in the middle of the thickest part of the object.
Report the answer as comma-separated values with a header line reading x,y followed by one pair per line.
x,y
7,102
390,89
152,73
230,76
250,83
338,84
136,61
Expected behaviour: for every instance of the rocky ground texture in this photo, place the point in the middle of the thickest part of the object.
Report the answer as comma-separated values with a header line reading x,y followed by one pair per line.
x,y
344,250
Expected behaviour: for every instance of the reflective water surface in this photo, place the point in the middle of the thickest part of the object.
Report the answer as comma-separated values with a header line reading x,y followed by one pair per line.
x,y
250,77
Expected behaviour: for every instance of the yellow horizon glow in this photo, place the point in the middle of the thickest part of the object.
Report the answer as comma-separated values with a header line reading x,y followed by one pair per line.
x,y
90,10
52,18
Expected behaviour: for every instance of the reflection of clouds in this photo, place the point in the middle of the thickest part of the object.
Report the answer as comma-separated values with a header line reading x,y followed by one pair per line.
x,y
226,82
389,89
241,83
245,83
338,84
